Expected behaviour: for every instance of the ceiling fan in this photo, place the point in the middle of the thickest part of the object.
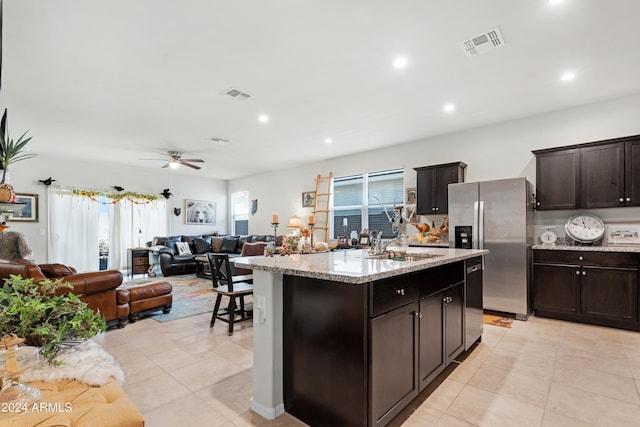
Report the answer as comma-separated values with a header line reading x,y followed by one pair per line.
x,y
174,160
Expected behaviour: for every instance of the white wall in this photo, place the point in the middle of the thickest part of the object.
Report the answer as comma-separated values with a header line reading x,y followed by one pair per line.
x,y
492,152
101,176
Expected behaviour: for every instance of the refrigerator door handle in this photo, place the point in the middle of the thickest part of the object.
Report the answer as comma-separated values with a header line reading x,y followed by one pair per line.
x,y
481,226
474,228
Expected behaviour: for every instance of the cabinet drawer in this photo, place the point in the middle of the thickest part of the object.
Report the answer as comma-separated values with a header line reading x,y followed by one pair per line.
x,y
439,278
587,258
386,295
139,269
136,254
140,261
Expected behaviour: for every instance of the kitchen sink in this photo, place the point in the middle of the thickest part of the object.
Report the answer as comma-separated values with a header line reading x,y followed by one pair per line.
x,y
404,256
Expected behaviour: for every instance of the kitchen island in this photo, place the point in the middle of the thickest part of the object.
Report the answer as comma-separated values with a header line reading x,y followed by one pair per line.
x,y
344,339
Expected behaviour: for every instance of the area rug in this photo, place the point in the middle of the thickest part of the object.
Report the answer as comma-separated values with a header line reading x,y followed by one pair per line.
x,y
191,296
491,319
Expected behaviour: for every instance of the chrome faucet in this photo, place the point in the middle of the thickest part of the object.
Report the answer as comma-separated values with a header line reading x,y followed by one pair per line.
x,y
378,245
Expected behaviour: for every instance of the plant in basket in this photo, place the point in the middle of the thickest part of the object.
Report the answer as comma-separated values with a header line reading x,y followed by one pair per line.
x,y
34,311
10,152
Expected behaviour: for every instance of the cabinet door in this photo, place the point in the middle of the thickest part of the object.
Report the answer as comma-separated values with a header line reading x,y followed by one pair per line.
x,y
556,290
632,171
394,352
426,190
610,294
431,360
444,176
557,179
602,176
453,322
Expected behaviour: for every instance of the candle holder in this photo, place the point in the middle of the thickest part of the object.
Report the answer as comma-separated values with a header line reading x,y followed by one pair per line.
x,y
275,228
311,228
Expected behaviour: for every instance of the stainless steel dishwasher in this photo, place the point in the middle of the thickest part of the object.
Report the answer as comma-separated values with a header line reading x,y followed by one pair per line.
x,y
473,301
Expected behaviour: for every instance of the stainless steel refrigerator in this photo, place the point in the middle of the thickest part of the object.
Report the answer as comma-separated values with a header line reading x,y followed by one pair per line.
x,y
500,214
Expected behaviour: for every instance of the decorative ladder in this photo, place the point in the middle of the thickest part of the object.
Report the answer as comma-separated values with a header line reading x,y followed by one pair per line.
x,y
321,208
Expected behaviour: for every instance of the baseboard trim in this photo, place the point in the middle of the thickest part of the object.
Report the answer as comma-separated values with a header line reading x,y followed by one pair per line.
x,y
263,411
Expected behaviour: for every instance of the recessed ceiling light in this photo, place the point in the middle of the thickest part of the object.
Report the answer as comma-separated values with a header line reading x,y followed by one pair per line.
x,y
263,118
567,76
328,141
555,1
448,108
400,62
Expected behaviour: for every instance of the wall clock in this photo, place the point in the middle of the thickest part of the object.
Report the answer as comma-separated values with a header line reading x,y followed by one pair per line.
x,y
584,228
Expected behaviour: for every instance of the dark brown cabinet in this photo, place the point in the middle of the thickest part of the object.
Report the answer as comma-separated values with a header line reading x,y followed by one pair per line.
x,y
432,186
593,287
597,175
138,261
441,331
356,355
394,351
557,181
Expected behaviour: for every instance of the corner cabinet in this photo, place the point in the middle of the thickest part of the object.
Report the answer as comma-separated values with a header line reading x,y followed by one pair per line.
x,y
432,186
599,288
596,175
357,355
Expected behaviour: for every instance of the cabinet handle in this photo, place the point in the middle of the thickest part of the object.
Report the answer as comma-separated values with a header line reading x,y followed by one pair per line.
x,y
437,209
538,203
584,273
420,315
577,273
580,258
621,199
628,199
400,291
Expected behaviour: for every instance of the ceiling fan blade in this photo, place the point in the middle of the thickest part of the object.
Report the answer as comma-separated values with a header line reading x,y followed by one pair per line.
x,y
166,166
182,162
193,160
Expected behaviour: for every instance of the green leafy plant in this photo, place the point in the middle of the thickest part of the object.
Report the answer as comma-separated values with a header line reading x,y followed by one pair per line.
x,y
10,150
33,311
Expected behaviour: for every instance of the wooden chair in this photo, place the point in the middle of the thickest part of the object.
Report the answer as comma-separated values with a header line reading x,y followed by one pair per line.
x,y
224,285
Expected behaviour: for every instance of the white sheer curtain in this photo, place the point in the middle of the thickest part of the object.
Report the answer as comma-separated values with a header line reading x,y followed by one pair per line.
x,y
127,218
73,230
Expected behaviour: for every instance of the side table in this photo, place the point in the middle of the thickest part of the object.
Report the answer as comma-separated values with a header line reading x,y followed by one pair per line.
x,y
138,261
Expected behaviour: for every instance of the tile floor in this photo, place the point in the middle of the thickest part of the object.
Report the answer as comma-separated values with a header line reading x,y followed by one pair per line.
x,y
538,373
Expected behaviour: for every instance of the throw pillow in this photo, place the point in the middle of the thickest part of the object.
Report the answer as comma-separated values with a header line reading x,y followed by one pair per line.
x,y
216,244
229,244
183,248
201,246
55,270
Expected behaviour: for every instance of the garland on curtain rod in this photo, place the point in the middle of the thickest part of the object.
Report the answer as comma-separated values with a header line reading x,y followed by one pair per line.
x,y
136,198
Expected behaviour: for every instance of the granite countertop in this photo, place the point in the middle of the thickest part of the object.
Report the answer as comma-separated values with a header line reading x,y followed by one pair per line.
x,y
353,266
603,248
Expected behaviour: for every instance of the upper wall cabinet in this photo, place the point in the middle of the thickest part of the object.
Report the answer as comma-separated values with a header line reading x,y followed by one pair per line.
x,y
433,186
602,174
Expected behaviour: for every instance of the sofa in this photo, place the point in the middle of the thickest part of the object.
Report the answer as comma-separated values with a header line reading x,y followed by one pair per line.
x,y
98,289
174,260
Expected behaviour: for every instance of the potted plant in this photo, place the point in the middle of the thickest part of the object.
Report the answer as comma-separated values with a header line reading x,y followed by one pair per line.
x,y
10,152
34,311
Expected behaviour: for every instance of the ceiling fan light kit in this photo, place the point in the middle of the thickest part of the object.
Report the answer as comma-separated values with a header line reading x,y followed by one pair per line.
x,y
174,160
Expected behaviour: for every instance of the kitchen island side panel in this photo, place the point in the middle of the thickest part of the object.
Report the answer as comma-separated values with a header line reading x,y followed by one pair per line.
x,y
325,352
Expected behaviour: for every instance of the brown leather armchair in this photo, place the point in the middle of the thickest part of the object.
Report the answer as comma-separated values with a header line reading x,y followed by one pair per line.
x,y
98,289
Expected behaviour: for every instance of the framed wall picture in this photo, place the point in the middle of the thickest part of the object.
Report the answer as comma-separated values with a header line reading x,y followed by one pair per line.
x,y
411,196
308,199
29,212
199,212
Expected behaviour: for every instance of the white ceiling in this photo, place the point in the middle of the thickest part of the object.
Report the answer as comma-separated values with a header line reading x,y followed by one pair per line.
x,y
123,80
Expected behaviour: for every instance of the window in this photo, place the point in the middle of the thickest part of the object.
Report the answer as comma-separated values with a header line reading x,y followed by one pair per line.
x,y
359,202
240,212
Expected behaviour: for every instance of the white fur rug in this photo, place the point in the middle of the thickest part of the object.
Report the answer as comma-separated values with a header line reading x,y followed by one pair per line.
x,y
88,363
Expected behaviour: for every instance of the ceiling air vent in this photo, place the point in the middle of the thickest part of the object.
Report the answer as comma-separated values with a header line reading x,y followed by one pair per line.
x,y
236,94
482,42
220,141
